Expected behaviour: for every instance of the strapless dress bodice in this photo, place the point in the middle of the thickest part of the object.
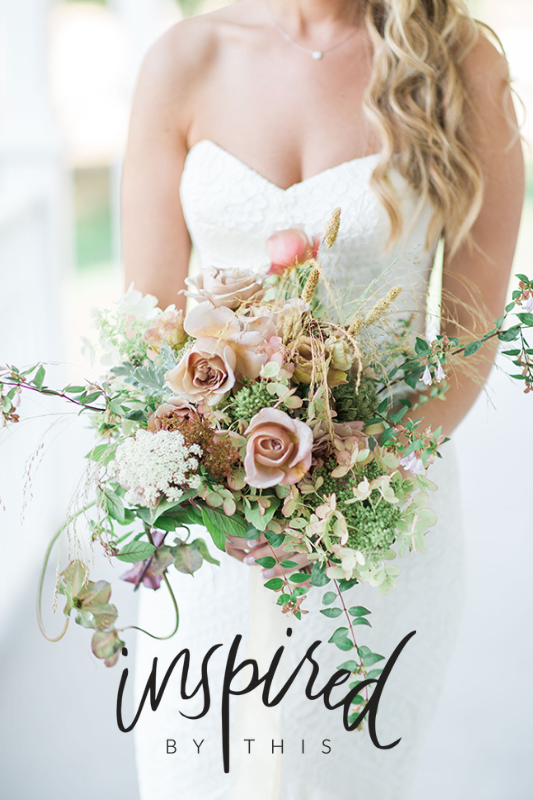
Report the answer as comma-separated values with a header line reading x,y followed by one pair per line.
x,y
231,210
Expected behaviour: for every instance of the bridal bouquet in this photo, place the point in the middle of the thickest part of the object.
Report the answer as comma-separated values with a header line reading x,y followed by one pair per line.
x,y
259,415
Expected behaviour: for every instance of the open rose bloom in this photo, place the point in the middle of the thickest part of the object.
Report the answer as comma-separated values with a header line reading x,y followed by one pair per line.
x,y
278,449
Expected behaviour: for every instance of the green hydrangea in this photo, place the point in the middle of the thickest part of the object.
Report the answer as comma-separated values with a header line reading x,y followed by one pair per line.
x,y
352,406
371,523
249,401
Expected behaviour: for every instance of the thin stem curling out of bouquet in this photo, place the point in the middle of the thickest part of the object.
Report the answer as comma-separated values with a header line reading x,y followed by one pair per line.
x,y
258,415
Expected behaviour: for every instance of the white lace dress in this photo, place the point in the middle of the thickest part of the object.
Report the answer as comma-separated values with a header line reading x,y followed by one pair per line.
x,y
231,210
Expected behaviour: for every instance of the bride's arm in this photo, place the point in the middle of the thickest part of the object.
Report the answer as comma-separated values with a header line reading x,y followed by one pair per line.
x,y
495,232
156,243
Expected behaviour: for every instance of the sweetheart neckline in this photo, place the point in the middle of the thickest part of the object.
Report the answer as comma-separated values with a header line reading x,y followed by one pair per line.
x,y
253,171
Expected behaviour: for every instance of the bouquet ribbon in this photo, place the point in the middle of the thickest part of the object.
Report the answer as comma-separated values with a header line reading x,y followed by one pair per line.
x,y
258,775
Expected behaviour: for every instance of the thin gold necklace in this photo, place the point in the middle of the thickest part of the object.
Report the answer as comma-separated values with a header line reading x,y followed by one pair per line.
x,y
316,54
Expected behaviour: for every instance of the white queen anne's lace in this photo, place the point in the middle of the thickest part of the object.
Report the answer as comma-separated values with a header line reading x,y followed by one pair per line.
x,y
149,465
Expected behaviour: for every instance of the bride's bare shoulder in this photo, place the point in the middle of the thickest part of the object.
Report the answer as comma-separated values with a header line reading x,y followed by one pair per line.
x,y
188,50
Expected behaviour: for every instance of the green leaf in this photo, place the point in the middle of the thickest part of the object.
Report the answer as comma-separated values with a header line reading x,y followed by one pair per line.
x,y
187,558
318,575
288,564
350,666
510,334
329,598
421,346
515,352
526,318
509,307
92,397
204,552
374,673
340,638
74,389
260,521
220,526
283,599
136,551
275,539
471,348
298,591
358,611
368,656
267,562
331,612
274,584
39,377
344,585
361,621
412,378
522,277
110,501
107,645
103,453
299,577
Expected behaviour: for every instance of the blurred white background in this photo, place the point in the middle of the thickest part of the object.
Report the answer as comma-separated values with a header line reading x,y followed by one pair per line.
x,y
67,72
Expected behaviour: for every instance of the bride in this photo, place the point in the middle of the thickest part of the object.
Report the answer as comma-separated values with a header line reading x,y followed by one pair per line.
x,y
261,117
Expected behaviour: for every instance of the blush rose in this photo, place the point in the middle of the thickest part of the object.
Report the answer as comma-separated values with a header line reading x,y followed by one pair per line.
x,y
205,373
278,449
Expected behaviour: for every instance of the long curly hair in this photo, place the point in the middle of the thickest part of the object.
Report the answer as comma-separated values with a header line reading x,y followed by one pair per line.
x,y
417,104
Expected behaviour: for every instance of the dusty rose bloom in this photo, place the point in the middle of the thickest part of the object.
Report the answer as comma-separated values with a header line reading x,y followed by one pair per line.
x,y
345,433
247,338
225,287
289,248
166,328
278,449
205,373
175,408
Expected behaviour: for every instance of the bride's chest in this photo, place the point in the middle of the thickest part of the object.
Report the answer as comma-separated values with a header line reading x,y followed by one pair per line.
x,y
231,209
288,122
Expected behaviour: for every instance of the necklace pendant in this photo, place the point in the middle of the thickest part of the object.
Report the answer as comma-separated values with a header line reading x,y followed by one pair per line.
x,y
317,54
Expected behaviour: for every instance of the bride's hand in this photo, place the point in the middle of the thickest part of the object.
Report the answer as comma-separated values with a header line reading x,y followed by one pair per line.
x,y
249,550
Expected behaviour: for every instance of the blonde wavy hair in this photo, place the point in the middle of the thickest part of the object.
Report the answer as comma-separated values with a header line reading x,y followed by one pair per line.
x,y
417,104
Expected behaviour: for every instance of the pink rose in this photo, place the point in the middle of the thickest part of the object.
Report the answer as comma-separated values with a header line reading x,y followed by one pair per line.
x,y
278,449
289,248
174,409
342,431
205,373
248,337
166,328
225,287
